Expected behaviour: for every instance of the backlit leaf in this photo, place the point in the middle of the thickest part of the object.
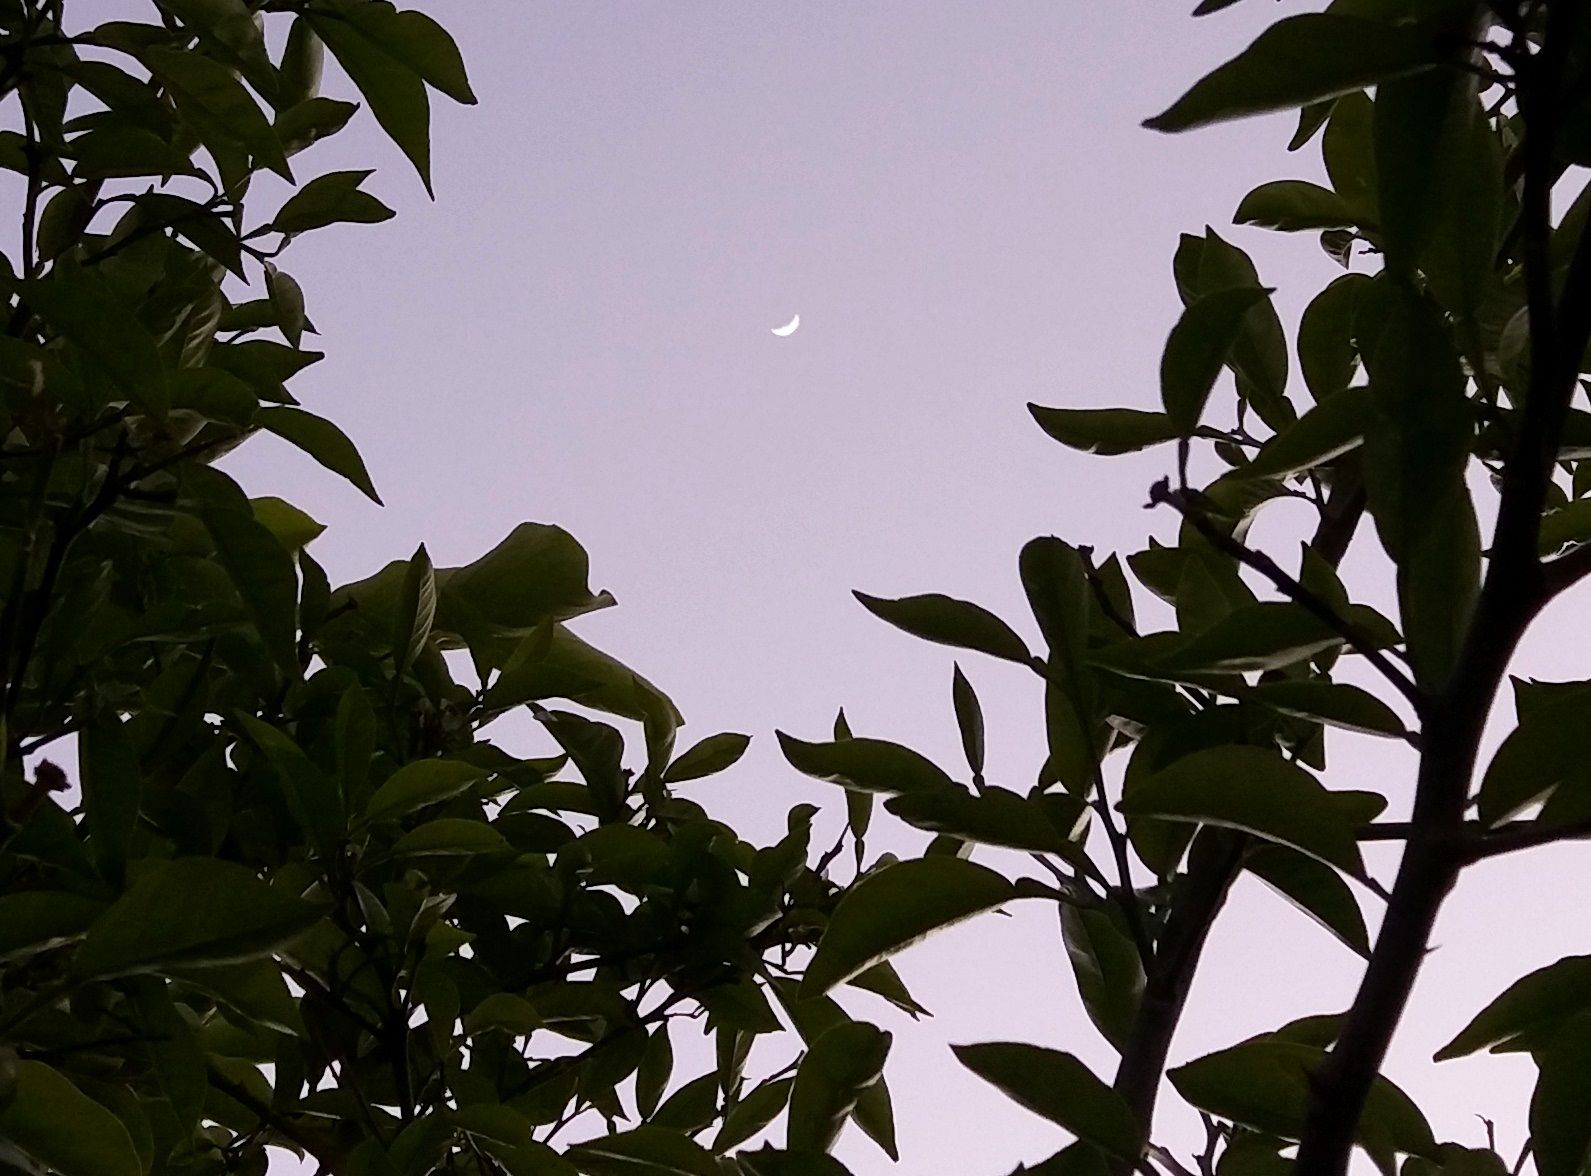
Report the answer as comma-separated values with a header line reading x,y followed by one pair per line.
x,y
896,906
1059,1087
867,765
1258,791
948,621
1299,60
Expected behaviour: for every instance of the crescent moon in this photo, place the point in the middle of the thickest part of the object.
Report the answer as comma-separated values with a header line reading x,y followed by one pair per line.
x,y
788,329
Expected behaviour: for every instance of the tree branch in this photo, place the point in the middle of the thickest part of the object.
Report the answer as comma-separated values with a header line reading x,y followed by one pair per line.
x,y
1214,861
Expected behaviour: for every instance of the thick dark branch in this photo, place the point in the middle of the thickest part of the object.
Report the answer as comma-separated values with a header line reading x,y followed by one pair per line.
x,y
1197,897
1161,492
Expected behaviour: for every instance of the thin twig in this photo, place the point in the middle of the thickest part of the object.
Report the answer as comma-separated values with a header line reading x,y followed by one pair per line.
x,y
1161,492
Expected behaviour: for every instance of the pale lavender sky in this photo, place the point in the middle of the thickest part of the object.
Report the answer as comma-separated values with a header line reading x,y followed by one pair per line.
x,y
957,199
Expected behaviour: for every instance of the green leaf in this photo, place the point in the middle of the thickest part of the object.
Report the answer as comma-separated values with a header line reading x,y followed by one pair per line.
x,y
1258,356
1337,704
896,906
1107,966
948,621
1299,60
571,669
1416,451
1460,258
619,855
84,309
111,782
538,572
1057,1086
286,297
255,990
62,1128
645,1151
331,199
969,719
1529,1013
753,1113
1055,579
691,1107
393,87
1326,351
1316,889
709,757
313,796
1569,524
1409,116
33,920
505,1135
120,152
842,1062
416,612
1334,426
503,1012
1560,1106
418,784
1291,206
867,765
420,43
303,61
323,441
1197,349
309,122
814,1016
1263,1083
652,1075
771,1161
261,570
994,817
228,29
191,911
209,97
1105,431
292,528
1544,752
450,836
1267,636
883,980
1257,791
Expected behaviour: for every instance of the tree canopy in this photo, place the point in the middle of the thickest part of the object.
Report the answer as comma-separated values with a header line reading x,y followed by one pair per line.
x,y
269,879
287,892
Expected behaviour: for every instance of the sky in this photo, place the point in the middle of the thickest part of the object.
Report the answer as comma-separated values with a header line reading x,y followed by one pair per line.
x,y
959,202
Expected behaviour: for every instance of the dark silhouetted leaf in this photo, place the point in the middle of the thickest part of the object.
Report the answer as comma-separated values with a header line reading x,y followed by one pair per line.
x,y
843,1061
868,765
896,906
1059,1087
710,756
1299,60
1256,790
950,622
1105,431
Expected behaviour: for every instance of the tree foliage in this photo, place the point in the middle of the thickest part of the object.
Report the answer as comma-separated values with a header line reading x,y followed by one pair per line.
x,y
1189,687
289,892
